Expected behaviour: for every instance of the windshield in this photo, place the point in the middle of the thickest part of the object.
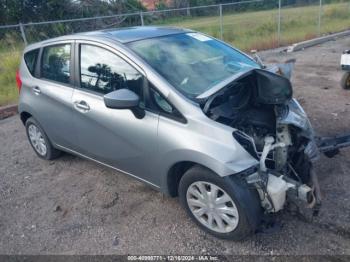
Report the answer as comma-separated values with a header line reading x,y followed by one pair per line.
x,y
192,62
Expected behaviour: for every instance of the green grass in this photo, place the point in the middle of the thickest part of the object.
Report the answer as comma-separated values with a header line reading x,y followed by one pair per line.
x,y
245,30
9,63
258,30
11,47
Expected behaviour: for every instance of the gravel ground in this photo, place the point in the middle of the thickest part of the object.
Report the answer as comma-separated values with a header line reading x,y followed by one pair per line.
x,y
73,206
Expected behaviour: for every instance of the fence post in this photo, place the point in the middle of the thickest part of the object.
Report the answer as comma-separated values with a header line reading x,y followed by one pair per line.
x,y
319,19
221,23
21,27
141,16
279,23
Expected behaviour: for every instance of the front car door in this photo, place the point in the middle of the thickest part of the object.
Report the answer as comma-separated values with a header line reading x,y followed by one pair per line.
x,y
112,136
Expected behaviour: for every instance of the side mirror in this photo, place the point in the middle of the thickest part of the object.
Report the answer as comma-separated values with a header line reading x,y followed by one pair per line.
x,y
124,99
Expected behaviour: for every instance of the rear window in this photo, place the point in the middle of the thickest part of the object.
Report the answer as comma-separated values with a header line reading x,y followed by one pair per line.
x,y
30,58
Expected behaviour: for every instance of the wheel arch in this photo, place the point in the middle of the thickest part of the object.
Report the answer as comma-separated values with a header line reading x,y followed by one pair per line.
x,y
25,116
175,174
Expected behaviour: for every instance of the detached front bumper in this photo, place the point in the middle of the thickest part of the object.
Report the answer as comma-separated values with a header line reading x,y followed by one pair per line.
x,y
331,145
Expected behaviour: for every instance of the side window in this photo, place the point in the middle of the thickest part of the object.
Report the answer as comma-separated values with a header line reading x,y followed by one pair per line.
x,y
56,63
103,71
30,58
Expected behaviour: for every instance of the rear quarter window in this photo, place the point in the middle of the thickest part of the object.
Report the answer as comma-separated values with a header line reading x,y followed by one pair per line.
x,y
30,59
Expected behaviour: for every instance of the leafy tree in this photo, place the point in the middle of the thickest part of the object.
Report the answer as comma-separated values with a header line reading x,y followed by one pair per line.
x,y
15,11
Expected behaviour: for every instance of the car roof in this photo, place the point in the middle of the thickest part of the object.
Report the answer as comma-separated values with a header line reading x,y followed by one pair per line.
x,y
131,34
128,34
122,35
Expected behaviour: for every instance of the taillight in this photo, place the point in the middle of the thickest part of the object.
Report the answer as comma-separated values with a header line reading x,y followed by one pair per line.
x,y
18,81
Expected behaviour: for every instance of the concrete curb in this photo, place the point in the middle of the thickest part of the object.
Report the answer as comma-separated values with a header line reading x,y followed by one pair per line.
x,y
301,45
7,111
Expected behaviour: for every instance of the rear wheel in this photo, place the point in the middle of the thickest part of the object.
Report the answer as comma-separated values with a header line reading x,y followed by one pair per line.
x,y
345,81
223,206
39,140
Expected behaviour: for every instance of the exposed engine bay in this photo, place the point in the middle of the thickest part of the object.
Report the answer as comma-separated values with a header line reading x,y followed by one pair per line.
x,y
275,130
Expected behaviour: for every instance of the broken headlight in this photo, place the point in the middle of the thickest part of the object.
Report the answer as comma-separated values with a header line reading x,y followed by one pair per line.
x,y
294,114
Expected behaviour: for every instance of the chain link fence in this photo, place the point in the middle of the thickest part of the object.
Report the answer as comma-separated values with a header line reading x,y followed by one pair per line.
x,y
249,24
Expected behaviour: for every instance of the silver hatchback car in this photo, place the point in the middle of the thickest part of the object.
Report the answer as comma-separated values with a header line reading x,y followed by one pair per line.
x,y
183,112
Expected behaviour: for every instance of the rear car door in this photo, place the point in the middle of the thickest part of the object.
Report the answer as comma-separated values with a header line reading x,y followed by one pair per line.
x,y
52,91
112,136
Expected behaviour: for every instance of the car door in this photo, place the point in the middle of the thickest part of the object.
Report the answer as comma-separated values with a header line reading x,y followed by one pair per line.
x,y
112,136
52,92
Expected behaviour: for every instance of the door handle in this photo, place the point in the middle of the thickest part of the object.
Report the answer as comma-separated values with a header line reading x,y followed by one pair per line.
x,y
82,106
36,90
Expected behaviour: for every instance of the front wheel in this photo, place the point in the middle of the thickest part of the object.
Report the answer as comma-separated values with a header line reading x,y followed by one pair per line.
x,y
223,206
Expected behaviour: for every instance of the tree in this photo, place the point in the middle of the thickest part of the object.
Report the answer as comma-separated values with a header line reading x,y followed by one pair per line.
x,y
16,11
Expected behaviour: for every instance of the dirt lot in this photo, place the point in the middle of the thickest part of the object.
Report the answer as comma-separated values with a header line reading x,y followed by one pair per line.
x,y
73,206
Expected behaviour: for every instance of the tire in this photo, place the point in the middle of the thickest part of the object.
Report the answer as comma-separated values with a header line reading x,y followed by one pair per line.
x,y
50,152
345,81
244,221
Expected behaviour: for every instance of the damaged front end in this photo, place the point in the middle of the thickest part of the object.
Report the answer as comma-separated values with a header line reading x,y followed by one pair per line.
x,y
274,129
